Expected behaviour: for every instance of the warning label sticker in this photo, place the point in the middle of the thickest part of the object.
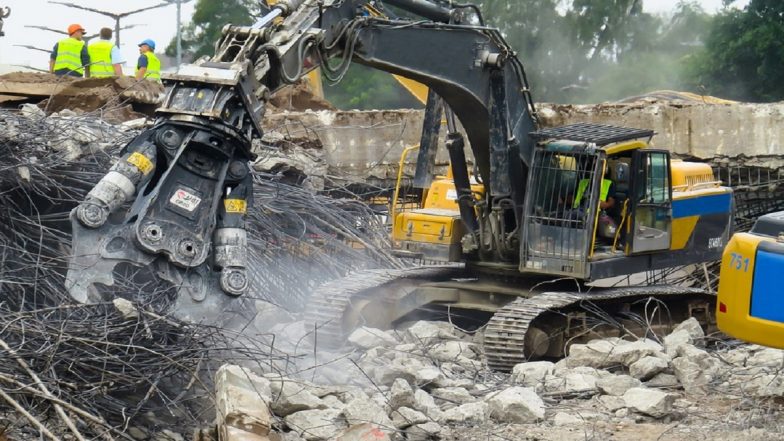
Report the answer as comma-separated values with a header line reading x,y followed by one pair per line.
x,y
141,162
185,200
239,206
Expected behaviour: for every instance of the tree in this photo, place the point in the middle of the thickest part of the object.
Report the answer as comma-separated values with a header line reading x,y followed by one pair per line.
x,y
744,53
199,36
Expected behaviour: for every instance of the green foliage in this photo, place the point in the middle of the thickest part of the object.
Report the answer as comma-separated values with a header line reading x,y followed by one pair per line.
x,y
598,50
743,56
201,34
364,88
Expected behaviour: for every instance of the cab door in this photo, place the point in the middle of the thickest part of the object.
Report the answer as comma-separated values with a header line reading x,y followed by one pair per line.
x,y
651,202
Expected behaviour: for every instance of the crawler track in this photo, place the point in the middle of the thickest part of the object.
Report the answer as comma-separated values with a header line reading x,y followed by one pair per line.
x,y
337,308
505,336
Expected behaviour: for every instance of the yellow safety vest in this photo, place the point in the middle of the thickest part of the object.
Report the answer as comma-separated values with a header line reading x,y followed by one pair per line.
x,y
153,67
69,55
101,59
583,185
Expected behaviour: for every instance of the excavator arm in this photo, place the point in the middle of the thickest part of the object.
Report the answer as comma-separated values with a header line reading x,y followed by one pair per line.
x,y
176,201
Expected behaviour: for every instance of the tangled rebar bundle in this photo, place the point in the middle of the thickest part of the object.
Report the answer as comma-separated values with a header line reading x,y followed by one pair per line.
x,y
91,370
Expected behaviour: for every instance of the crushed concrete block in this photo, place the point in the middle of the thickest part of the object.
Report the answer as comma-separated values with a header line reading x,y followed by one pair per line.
x,y
676,339
612,403
456,395
567,419
647,367
405,417
126,308
359,411
695,369
424,332
289,396
768,357
617,385
401,394
366,338
424,432
453,350
516,405
573,380
532,374
470,413
428,376
318,424
425,403
764,386
650,402
611,352
663,381
241,404
693,327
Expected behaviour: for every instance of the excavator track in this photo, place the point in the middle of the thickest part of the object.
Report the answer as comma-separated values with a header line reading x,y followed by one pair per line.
x,y
516,331
329,305
507,341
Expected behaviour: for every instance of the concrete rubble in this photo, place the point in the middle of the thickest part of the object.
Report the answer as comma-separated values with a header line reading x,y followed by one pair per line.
x,y
431,389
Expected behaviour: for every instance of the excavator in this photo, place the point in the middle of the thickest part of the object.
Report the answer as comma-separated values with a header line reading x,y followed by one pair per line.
x,y
4,13
525,231
750,303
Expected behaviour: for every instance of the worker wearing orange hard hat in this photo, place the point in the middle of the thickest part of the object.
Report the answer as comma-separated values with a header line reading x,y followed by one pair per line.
x,y
70,56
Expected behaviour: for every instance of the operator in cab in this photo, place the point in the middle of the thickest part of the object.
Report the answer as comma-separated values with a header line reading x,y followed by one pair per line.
x,y
149,66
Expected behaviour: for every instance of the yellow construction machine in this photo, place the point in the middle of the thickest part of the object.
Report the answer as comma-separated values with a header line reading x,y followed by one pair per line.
x,y
751,297
525,228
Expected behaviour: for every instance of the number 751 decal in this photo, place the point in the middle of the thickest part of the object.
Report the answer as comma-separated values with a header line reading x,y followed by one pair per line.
x,y
738,262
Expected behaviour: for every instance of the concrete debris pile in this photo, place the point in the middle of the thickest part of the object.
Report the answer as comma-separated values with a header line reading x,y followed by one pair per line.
x,y
114,99
429,382
113,367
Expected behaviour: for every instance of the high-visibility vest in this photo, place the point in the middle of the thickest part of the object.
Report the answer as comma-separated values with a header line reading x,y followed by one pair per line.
x,y
153,67
69,55
101,59
583,185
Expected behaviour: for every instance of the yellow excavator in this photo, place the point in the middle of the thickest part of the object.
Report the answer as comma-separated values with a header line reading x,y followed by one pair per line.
x,y
751,298
526,231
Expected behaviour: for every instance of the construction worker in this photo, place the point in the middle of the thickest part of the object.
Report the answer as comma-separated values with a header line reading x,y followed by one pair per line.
x,y
105,56
148,66
70,56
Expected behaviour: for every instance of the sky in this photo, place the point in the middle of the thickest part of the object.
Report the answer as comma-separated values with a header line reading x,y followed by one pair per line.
x,y
158,24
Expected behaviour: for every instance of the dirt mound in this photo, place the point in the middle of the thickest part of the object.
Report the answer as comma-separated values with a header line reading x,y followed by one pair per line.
x,y
299,97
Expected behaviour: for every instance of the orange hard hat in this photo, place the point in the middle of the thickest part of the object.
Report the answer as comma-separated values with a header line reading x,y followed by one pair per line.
x,y
74,28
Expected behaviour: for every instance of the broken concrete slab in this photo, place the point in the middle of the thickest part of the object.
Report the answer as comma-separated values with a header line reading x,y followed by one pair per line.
x,y
647,367
516,405
241,400
650,402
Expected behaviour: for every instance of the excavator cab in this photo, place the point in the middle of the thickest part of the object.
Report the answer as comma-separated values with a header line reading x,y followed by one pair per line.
x,y
598,193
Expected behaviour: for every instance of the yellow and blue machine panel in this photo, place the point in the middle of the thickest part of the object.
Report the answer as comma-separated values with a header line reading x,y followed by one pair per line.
x,y
700,218
751,296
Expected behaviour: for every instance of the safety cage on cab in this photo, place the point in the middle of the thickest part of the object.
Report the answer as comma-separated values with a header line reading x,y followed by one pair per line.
x,y
594,196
